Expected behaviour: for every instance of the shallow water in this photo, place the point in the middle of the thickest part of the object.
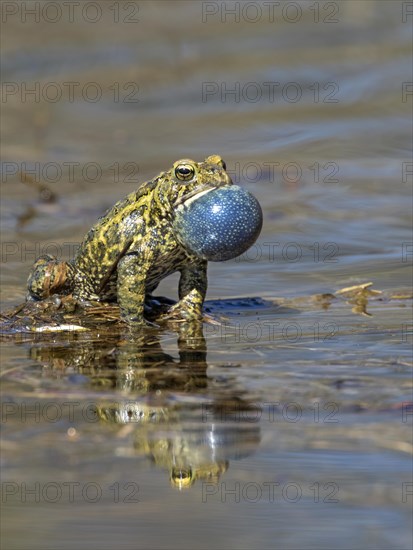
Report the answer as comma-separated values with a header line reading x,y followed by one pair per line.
x,y
292,417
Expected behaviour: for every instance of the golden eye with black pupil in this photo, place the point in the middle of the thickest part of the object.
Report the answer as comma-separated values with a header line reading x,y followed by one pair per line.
x,y
184,172
181,477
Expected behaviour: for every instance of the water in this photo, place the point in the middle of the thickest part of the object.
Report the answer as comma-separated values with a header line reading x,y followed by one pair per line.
x,y
292,418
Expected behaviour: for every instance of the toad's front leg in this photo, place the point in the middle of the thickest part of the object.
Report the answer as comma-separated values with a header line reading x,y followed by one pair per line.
x,y
192,290
131,288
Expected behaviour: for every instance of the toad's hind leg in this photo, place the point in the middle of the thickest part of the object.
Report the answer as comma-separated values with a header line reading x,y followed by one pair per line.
x,y
49,276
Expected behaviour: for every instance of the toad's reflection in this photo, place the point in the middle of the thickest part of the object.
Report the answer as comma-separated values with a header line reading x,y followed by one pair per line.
x,y
176,415
191,442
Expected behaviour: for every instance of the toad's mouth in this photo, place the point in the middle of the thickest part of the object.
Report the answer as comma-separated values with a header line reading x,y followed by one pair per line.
x,y
194,195
198,192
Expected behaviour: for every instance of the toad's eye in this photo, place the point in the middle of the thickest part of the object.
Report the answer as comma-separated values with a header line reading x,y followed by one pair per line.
x,y
184,172
181,478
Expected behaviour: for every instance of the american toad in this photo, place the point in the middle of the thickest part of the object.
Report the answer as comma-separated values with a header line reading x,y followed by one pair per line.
x,y
133,247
